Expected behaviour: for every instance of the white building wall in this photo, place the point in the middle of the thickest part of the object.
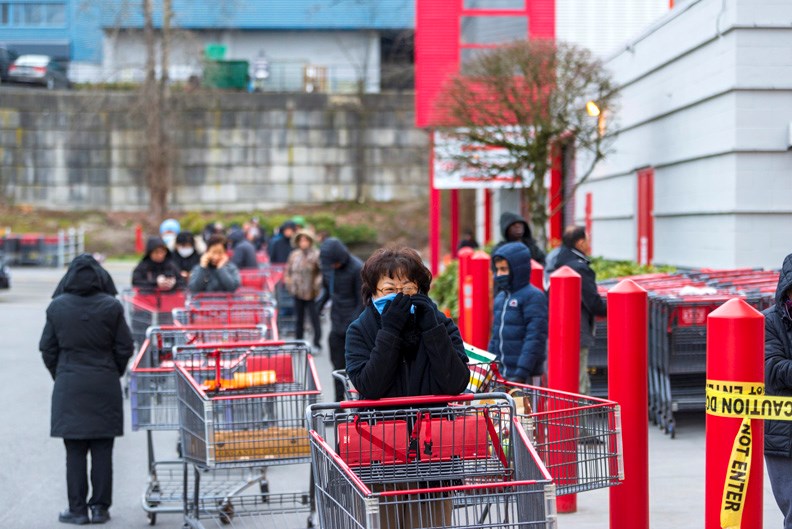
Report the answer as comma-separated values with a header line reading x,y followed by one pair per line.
x,y
707,101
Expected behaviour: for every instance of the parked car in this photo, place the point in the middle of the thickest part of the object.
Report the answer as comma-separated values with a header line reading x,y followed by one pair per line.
x,y
5,274
39,69
7,58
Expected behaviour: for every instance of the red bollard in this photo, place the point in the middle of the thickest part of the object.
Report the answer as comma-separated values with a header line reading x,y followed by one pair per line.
x,y
563,368
537,275
480,319
735,353
627,384
465,293
139,239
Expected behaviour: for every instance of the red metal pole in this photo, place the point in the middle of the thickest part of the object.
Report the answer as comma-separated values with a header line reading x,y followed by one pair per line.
x,y
589,206
563,368
487,216
454,200
481,284
537,275
139,239
434,213
465,297
735,353
627,384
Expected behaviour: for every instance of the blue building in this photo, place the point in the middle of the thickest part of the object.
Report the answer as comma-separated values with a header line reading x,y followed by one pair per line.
x,y
305,44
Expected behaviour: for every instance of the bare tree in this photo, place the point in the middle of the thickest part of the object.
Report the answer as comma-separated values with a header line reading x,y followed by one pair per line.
x,y
525,98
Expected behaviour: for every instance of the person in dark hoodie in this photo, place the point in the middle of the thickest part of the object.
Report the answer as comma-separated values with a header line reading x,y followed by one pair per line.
x,y
514,228
157,271
186,255
402,345
519,327
280,246
342,286
778,382
86,345
573,253
244,252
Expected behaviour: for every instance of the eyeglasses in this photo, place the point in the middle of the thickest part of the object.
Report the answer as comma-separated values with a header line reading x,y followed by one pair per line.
x,y
407,290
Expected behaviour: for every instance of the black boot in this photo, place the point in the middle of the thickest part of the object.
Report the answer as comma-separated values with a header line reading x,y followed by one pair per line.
x,y
68,516
99,515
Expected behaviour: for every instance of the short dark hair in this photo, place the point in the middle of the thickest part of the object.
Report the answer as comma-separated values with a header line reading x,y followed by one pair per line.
x,y
390,262
573,234
215,240
185,237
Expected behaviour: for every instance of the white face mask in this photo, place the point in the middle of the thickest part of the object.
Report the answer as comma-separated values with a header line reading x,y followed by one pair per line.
x,y
185,251
170,240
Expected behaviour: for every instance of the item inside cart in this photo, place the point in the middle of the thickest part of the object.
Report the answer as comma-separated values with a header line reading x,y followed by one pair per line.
x,y
439,461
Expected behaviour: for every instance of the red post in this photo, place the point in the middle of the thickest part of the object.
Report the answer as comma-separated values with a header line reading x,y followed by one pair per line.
x,y
735,353
434,214
481,283
537,275
465,295
563,368
589,208
454,206
139,239
627,384
487,216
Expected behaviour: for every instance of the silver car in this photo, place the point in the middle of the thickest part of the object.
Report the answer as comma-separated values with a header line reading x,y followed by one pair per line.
x,y
39,69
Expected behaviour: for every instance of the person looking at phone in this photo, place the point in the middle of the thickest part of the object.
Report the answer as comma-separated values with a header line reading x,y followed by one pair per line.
x,y
157,270
215,272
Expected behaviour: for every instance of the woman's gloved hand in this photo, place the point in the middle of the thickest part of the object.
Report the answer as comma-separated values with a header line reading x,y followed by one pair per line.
x,y
425,312
396,313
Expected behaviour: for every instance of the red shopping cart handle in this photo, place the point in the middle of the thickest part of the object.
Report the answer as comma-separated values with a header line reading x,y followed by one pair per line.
x,y
211,327
237,345
409,401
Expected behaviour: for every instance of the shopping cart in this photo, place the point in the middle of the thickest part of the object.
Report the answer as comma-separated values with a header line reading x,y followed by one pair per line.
x,y
577,437
144,308
242,406
233,313
424,463
152,389
263,278
240,295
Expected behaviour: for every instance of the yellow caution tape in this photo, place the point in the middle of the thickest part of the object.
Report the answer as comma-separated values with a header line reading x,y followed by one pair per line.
x,y
746,401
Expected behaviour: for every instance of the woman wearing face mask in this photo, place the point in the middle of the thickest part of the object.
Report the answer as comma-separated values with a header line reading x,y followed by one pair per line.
x,y
186,256
215,272
402,345
169,229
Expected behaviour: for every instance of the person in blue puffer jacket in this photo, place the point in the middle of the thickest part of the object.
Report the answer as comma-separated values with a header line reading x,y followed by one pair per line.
x,y
519,327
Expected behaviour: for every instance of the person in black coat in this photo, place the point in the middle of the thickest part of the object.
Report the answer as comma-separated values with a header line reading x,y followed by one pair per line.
x,y
157,271
778,381
244,252
402,345
514,228
342,286
186,255
280,246
573,253
86,345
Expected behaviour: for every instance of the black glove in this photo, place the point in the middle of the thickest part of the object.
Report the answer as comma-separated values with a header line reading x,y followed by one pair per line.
x,y
396,313
425,312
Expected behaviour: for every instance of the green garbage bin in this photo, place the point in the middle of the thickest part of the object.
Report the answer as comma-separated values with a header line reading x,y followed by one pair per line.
x,y
226,74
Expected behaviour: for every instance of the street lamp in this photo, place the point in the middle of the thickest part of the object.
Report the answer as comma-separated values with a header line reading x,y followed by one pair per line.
x,y
592,109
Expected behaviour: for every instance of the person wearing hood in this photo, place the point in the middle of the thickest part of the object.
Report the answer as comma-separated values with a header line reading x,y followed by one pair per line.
x,y
573,253
519,327
342,286
244,256
215,272
303,280
778,382
86,345
157,271
280,246
514,228
186,255
169,230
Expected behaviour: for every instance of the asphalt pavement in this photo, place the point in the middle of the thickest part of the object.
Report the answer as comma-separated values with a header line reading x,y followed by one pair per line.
x,y
32,464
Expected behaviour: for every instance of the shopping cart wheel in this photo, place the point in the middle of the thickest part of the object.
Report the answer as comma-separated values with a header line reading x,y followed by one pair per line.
x,y
226,513
152,518
264,486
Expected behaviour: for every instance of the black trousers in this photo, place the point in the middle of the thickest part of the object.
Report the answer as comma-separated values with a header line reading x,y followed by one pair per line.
x,y
337,344
300,306
77,473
